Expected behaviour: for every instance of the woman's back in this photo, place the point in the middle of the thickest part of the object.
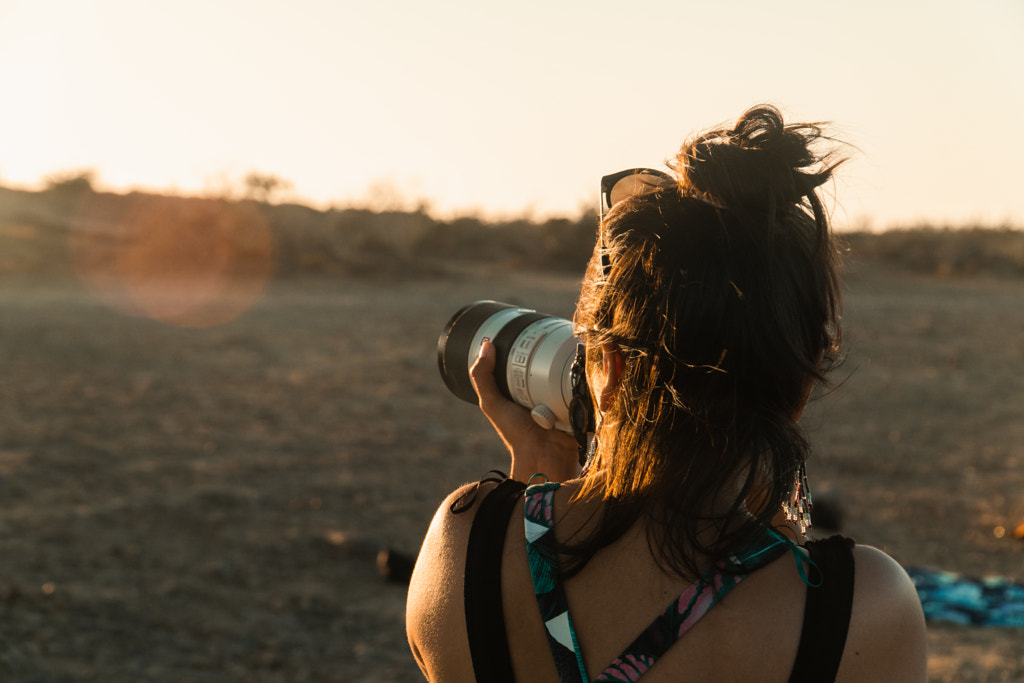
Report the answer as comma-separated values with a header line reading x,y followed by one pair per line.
x,y
709,309
751,635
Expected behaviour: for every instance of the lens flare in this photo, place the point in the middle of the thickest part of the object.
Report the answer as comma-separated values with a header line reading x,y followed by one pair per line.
x,y
185,262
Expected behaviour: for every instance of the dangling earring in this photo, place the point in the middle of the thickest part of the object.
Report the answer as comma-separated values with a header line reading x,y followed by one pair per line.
x,y
799,507
591,451
592,446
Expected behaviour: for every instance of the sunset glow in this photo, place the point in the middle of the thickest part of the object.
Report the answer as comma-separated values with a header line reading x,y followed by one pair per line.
x,y
510,110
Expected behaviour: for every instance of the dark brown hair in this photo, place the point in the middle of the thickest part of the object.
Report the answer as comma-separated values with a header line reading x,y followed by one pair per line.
x,y
723,297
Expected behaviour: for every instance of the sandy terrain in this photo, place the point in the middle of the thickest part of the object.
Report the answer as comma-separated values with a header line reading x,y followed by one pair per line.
x,y
207,504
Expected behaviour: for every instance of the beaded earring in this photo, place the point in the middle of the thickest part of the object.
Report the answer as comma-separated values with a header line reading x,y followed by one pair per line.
x,y
799,508
591,451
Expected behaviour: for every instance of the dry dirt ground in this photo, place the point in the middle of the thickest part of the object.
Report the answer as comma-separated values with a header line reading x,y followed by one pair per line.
x,y
207,504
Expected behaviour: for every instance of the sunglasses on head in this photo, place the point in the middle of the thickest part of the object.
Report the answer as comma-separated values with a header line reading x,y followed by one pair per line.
x,y
630,182
619,186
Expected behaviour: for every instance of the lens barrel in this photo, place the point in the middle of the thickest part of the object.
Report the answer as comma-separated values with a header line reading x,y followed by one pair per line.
x,y
534,355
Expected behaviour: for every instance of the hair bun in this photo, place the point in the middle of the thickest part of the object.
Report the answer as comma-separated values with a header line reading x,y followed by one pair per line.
x,y
756,164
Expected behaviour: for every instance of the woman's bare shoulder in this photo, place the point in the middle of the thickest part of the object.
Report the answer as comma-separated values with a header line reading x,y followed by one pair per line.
x,y
887,640
434,608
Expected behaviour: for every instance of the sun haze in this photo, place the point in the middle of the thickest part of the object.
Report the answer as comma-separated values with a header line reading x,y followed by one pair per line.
x,y
507,109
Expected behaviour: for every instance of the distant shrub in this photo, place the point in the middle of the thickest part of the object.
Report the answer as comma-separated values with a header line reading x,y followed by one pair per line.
x,y
263,187
71,182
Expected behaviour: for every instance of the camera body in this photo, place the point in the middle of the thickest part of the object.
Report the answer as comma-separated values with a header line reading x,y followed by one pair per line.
x,y
535,358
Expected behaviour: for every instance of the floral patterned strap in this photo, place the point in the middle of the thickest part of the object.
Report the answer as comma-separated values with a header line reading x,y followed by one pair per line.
x,y
678,618
550,592
685,611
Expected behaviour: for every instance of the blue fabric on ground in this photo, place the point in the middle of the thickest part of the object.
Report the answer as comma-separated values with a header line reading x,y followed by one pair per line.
x,y
987,601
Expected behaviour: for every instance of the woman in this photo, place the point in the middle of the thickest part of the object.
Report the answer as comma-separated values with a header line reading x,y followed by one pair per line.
x,y
709,310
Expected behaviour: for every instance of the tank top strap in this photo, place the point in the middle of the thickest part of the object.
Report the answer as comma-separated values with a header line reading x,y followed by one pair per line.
x,y
547,585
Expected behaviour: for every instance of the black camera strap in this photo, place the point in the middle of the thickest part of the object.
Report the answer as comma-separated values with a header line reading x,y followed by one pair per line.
x,y
485,618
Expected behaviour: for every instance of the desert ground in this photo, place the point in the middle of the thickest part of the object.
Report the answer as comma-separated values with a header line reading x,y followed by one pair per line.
x,y
207,504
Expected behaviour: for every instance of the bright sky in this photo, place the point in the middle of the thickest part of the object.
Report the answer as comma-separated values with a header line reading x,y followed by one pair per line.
x,y
511,106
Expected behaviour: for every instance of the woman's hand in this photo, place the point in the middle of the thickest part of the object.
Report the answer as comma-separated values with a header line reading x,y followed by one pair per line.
x,y
534,449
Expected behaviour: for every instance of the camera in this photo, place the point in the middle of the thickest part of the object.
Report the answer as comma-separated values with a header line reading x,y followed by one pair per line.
x,y
539,362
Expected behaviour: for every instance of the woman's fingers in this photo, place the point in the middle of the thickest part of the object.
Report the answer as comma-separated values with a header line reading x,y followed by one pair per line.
x,y
533,448
505,415
482,375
